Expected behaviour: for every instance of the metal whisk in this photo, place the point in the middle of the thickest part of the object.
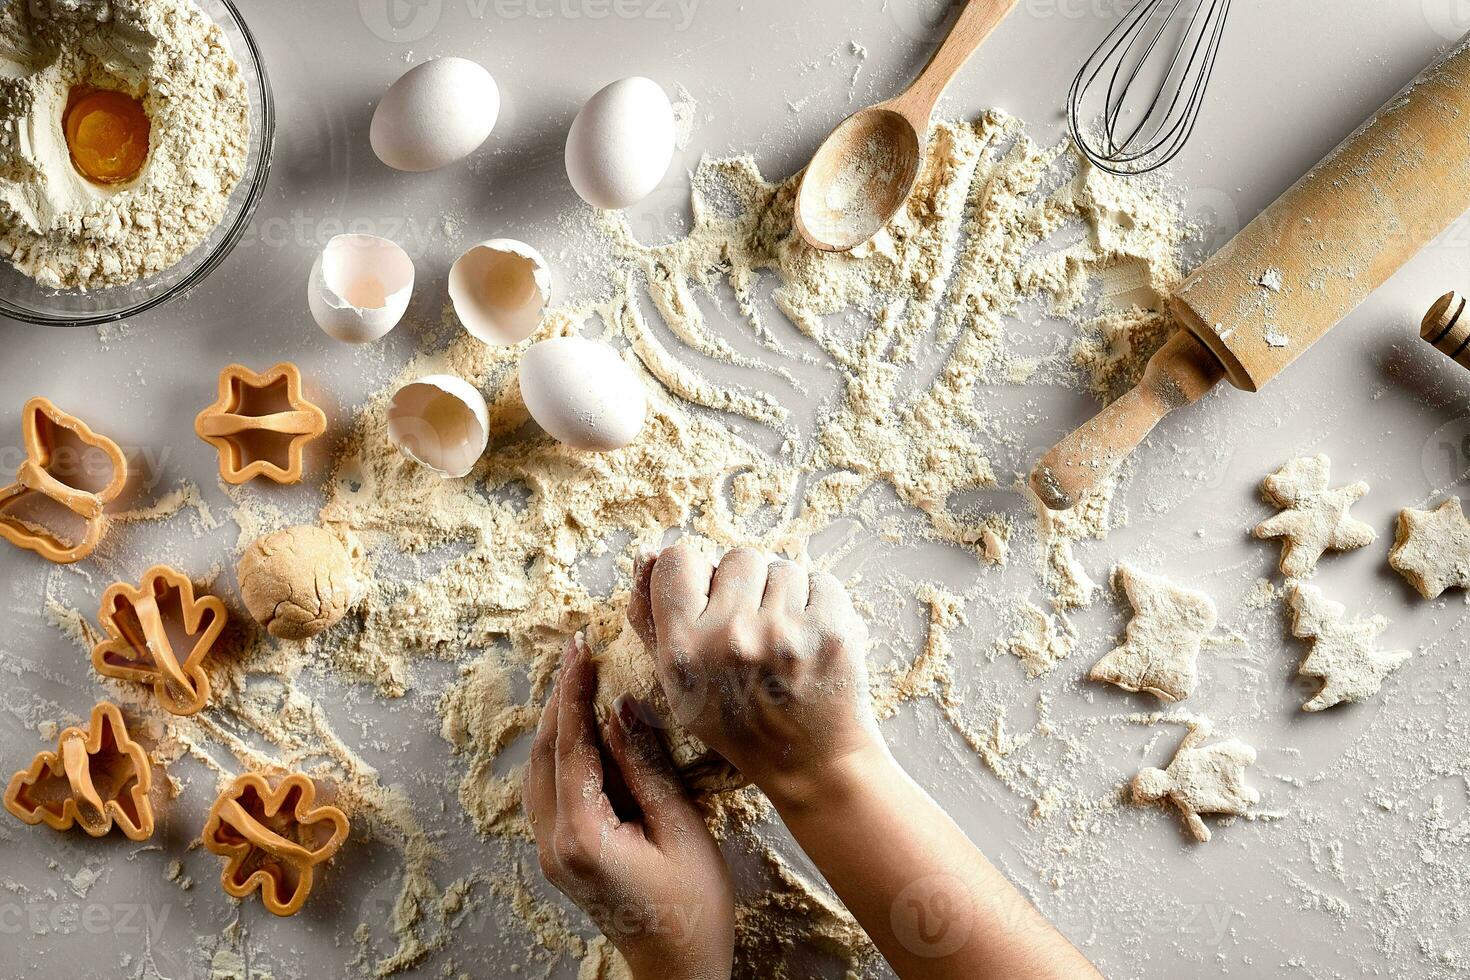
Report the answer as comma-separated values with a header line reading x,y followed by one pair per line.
x,y
1173,41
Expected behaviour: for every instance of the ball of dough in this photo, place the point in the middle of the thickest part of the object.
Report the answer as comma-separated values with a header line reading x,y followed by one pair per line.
x,y
297,582
624,666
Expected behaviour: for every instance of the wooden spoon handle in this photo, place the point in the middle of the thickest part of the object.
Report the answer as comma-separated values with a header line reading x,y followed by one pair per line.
x,y
1178,375
971,28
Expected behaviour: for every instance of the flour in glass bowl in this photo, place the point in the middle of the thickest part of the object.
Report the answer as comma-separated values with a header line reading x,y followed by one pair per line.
x,y
67,231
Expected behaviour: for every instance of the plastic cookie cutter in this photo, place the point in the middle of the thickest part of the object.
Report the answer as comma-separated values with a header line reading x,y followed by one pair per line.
x,y
273,840
55,505
98,777
140,645
260,424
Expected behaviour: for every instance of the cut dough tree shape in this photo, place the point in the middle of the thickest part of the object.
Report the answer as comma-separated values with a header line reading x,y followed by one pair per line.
x,y
1160,650
1314,519
1201,779
1344,653
1432,548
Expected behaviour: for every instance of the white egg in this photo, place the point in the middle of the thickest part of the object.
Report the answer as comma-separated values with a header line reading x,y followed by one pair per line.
x,y
583,393
435,114
621,143
500,289
440,421
359,287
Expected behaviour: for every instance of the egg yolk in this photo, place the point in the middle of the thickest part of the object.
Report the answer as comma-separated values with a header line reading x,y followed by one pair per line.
x,y
106,133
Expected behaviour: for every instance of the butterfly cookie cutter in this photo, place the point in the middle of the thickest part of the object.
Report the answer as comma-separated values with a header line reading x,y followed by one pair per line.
x,y
260,424
272,839
138,645
45,474
97,778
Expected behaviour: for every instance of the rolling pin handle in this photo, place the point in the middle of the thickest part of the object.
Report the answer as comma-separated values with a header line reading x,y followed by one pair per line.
x,y
1179,374
1446,328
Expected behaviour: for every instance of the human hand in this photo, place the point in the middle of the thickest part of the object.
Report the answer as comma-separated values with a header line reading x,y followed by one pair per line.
x,y
653,881
760,659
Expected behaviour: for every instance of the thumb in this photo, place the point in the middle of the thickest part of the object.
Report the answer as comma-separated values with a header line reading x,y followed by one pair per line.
x,y
668,812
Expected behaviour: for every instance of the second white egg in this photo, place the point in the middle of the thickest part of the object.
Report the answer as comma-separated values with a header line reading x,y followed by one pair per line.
x,y
583,393
621,143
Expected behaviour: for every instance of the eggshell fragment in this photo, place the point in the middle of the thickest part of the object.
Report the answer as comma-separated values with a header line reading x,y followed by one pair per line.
x,y
621,143
583,393
499,289
435,114
359,287
441,422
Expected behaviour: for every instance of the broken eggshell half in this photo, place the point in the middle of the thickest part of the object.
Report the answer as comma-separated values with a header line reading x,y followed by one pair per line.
x,y
441,422
500,289
360,287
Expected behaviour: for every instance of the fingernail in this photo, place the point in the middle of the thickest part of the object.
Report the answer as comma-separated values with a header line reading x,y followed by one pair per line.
x,y
627,711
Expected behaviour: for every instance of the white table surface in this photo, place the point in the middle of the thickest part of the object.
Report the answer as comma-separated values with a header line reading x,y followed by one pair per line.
x,y
1265,898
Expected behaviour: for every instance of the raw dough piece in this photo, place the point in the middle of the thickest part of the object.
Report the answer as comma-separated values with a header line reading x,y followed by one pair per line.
x,y
297,582
1160,649
1343,654
624,666
1201,780
1314,519
1432,548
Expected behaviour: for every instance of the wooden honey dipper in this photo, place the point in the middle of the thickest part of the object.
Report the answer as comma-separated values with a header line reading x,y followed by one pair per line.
x,y
1295,271
1447,329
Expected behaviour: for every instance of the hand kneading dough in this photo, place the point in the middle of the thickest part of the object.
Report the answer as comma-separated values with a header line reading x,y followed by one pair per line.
x,y
297,582
624,666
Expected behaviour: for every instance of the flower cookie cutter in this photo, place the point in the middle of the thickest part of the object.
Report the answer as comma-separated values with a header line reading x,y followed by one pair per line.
x,y
271,839
139,646
98,777
57,446
260,424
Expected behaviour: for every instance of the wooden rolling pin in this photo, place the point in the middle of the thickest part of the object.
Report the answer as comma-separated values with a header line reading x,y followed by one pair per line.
x,y
1295,271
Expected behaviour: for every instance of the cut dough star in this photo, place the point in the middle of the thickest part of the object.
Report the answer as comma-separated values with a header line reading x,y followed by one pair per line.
x,y
1314,519
1160,649
1343,653
1432,548
1209,779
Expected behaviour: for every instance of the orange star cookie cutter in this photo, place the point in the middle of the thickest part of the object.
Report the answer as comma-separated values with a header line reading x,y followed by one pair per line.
x,y
260,424
97,778
139,646
271,839
48,474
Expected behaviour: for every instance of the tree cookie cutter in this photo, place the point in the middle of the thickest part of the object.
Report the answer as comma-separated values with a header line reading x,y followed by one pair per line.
x,y
97,777
138,645
272,840
260,424
50,474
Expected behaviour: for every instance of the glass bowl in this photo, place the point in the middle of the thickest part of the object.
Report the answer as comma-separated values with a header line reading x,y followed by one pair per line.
x,y
21,298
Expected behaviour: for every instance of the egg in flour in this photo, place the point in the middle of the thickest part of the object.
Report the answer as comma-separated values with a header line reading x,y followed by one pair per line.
x,y
437,113
621,143
582,393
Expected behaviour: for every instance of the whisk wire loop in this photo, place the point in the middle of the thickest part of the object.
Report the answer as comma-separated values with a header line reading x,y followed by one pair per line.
x,y
1139,48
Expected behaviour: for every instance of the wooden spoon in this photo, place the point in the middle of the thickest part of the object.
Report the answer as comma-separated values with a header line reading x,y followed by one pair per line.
x,y
865,169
